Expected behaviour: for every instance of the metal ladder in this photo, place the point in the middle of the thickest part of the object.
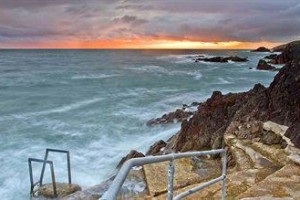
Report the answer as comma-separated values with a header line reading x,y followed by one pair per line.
x,y
111,193
45,162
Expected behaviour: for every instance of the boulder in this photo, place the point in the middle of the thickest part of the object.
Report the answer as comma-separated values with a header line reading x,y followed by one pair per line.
x,y
261,49
263,65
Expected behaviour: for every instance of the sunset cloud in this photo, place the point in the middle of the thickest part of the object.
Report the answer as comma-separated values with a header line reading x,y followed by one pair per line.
x,y
134,24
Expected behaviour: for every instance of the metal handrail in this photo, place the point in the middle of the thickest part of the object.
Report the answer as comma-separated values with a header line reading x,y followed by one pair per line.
x,y
32,184
46,161
117,183
68,163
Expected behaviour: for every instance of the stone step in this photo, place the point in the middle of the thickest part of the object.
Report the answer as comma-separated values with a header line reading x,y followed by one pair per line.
x,y
282,184
245,155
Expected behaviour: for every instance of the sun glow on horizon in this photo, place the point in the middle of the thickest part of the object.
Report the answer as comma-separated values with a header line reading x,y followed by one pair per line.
x,y
140,43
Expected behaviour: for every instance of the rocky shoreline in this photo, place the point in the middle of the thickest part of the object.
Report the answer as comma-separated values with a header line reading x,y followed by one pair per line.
x,y
259,128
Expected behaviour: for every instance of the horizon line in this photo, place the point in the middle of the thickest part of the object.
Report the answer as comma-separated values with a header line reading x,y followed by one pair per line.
x,y
124,49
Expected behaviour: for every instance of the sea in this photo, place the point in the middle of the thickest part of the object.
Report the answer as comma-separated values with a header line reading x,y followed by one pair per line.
x,y
95,104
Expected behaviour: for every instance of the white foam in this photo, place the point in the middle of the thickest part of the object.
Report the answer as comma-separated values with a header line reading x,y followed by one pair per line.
x,y
163,71
181,59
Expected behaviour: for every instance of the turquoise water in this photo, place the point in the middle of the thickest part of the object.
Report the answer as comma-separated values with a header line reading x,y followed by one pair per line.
x,y
95,103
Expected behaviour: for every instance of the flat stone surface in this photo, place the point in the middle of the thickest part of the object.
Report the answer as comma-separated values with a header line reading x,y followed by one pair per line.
x,y
285,183
185,174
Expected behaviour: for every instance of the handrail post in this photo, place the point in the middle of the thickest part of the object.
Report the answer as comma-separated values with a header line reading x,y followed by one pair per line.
x,y
53,179
171,171
224,163
30,176
43,169
69,167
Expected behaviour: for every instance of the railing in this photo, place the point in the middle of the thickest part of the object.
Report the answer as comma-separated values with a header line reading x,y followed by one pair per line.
x,y
111,193
45,162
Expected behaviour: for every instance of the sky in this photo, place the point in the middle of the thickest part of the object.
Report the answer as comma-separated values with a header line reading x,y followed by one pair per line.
x,y
148,24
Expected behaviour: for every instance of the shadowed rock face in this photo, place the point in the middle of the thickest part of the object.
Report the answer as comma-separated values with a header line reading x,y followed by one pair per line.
x,y
132,154
156,148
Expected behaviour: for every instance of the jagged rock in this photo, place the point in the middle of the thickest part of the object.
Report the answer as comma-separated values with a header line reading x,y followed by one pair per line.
x,y
222,59
261,49
132,154
63,190
281,48
179,115
290,52
156,148
263,65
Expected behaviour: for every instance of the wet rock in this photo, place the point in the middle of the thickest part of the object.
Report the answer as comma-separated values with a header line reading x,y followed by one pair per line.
x,y
263,65
132,154
271,56
236,59
63,190
156,148
261,49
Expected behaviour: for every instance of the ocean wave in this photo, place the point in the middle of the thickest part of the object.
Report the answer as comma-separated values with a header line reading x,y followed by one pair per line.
x,y
61,109
160,70
223,81
94,76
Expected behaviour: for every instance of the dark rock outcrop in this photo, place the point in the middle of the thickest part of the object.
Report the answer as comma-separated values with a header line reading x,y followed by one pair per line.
x,y
132,154
210,121
261,49
222,59
263,65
